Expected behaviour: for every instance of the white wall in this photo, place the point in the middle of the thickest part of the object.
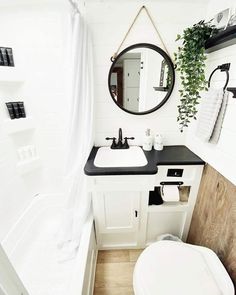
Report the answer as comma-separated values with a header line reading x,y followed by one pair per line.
x,y
109,21
38,31
222,156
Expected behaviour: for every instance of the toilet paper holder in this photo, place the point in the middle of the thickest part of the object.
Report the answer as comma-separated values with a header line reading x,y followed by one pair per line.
x,y
179,183
171,183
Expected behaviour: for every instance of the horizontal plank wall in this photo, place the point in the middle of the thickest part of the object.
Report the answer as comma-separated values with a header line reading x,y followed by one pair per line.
x,y
214,218
109,21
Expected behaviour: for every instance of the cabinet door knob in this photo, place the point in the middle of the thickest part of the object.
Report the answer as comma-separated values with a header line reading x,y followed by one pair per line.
x,y
136,213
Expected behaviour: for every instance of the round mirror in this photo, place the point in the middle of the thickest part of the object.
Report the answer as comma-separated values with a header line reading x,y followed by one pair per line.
x,y
141,79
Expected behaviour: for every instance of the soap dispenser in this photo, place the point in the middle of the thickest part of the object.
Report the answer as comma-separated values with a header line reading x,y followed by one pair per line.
x,y
158,142
147,141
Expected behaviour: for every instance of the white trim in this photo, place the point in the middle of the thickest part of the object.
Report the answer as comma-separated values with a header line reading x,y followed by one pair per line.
x,y
10,283
84,274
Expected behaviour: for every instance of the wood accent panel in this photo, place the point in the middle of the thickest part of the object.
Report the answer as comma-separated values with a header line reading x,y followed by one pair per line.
x,y
214,218
184,192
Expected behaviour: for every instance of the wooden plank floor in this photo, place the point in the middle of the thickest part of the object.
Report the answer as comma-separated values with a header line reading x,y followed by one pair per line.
x,y
114,273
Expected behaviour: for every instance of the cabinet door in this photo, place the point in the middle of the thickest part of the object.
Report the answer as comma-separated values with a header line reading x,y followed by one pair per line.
x,y
160,223
116,212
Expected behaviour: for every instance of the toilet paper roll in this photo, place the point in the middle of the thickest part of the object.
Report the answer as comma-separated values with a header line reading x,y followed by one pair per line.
x,y
170,193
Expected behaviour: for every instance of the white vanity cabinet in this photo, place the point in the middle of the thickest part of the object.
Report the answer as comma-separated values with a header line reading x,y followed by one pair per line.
x,y
174,217
119,209
117,218
123,216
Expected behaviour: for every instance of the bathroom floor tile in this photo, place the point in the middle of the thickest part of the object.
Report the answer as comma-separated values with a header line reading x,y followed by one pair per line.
x,y
134,254
114,272
114,291
113,256
114,275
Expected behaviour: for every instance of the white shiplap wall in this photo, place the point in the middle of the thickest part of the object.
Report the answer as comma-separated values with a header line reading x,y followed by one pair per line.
x,y
222,156
109,21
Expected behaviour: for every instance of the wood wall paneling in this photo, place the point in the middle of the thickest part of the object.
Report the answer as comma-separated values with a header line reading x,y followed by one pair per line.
x,y
214,219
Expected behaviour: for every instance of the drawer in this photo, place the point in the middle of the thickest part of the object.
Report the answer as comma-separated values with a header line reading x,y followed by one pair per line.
x,y
185,173
123,183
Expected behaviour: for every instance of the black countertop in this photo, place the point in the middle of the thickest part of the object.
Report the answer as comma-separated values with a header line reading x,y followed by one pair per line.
x,y
170,155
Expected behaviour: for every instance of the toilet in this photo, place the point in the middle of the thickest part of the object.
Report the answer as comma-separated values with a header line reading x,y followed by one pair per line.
x,y
176,268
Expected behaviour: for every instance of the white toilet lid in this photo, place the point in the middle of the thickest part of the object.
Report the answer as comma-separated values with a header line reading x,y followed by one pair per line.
x,y
167,268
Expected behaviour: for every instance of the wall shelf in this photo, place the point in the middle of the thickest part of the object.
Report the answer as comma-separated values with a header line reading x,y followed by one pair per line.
x,y
11,75
233,90
165,89
28,166
221,40
19,125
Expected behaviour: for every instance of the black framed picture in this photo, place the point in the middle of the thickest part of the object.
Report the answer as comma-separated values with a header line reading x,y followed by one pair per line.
x,y
221,19
232,19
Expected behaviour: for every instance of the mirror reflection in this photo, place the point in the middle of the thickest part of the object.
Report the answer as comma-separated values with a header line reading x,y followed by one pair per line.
x,y
141,79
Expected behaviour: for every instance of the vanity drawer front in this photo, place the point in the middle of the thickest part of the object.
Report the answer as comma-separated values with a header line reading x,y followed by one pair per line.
x,y
124,183
185,173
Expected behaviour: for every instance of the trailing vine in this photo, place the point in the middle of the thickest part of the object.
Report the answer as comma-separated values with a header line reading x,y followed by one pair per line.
x,y
190,62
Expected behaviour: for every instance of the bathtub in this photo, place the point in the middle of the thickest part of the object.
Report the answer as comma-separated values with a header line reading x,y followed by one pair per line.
x,y
32,249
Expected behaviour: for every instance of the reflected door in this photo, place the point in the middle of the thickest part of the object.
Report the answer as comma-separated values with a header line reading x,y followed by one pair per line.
x,y
131,83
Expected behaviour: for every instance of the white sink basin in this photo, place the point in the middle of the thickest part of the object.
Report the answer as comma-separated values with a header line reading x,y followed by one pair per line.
x,y
132,157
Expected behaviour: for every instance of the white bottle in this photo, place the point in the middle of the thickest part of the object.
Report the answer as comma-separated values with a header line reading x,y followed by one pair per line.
x,y
20,155
33,151
147,141
26,153
158,142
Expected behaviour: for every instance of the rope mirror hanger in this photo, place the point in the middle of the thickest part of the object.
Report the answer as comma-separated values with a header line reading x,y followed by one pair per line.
x,y
127,33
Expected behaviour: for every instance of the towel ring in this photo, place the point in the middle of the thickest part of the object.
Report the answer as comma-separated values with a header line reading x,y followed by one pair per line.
x,y
222,68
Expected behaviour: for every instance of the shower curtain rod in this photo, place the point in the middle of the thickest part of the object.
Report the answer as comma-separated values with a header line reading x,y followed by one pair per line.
x,y
74,5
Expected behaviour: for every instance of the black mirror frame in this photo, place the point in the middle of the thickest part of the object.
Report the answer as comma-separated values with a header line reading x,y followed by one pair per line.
x,y
172,73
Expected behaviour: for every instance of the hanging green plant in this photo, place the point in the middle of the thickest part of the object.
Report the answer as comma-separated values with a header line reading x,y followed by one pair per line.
x,y
190,62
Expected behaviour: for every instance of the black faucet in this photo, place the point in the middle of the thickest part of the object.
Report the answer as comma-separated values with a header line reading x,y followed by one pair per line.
x,y
120,140
120,144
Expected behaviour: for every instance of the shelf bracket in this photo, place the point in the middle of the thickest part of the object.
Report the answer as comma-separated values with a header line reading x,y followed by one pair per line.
x,y
233,90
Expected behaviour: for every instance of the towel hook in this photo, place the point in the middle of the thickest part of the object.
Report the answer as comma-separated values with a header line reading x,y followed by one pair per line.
x,y
222,68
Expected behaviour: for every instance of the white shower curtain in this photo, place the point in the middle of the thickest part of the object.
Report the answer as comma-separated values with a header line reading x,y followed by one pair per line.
x,y
80,140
